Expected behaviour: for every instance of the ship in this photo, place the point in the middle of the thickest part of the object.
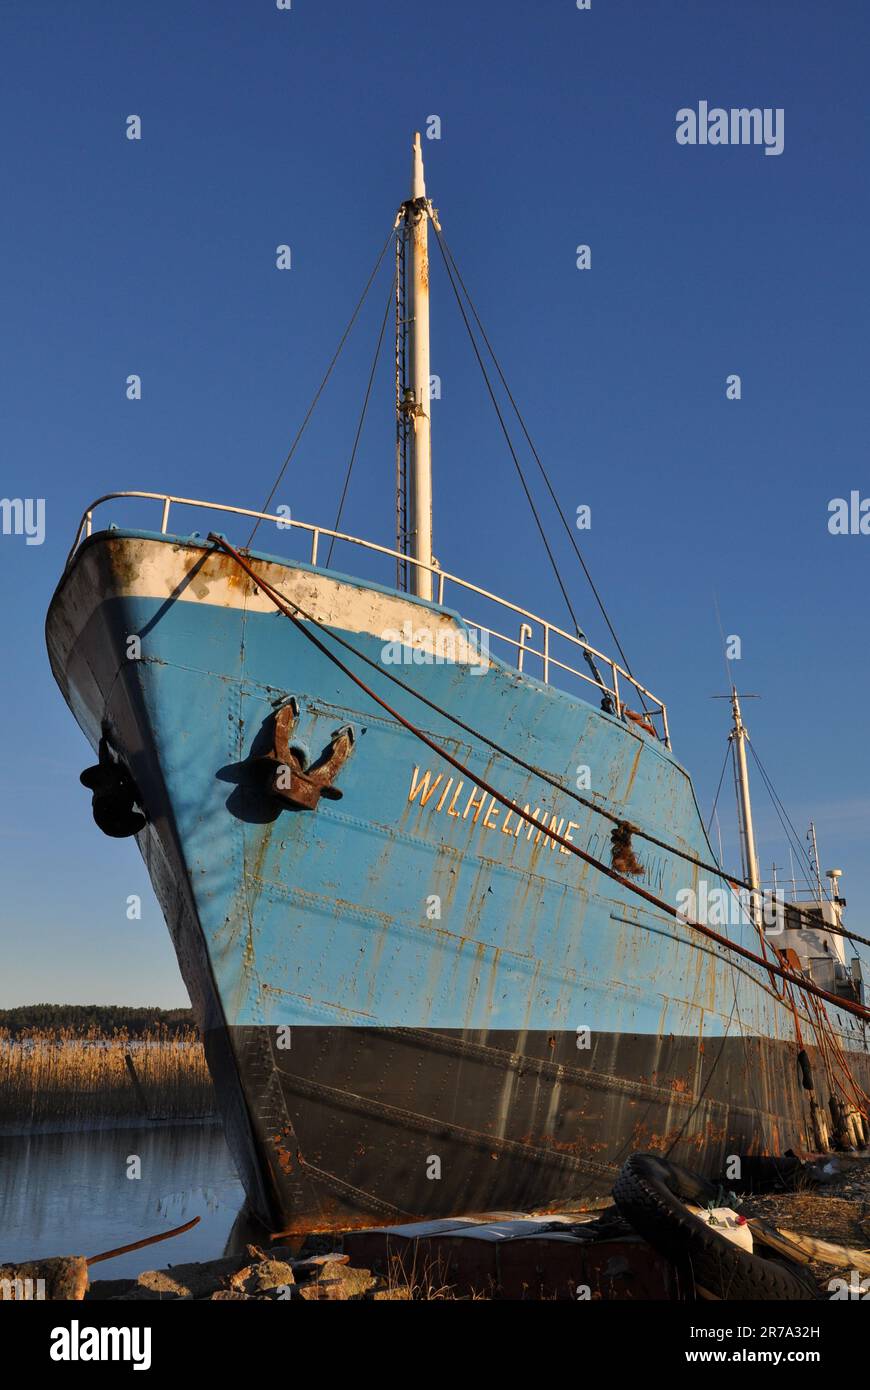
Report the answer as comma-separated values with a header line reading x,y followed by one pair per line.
x,y
421,854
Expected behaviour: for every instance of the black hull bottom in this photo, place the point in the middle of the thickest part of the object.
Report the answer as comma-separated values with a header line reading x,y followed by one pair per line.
x,y
351,1127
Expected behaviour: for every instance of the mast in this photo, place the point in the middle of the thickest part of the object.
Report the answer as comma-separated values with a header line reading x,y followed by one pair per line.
x,y
418,403
738,738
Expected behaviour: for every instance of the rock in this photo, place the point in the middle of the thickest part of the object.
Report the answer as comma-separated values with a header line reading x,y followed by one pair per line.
x,y
274,1274
102,1289
188,1280
266,1277
357,1280
318,1266
339,1282
327,1291
63,1277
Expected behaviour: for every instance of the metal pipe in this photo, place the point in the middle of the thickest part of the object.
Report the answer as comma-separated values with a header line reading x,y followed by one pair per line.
x,y
525,631
421,438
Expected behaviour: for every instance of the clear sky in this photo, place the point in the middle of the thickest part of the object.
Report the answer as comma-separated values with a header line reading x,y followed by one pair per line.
x,y
263,127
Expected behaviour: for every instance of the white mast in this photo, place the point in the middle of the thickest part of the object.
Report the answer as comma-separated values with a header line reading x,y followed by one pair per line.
x,y
750,860
420,518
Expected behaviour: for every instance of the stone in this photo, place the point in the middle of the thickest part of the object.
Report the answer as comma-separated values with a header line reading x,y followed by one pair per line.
x,y
62,1277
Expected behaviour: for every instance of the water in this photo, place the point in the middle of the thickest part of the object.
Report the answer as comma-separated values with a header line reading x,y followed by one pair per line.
x,y
69,1194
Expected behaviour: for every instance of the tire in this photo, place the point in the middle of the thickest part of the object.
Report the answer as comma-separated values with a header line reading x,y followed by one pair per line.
x,y
650,1194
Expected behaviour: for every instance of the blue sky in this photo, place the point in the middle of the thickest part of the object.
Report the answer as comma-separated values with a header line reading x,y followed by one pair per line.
x,y
263,127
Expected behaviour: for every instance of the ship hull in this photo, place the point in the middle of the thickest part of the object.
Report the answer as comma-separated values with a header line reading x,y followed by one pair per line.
x,y
375,1126
415,1003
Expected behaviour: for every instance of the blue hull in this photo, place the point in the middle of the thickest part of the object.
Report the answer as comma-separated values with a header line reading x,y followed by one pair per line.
x,y
391,985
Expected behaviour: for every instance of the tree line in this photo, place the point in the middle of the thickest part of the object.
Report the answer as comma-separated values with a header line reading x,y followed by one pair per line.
x,y
105,1018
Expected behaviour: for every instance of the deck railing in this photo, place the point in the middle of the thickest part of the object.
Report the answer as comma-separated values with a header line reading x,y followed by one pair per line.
x,y
536,638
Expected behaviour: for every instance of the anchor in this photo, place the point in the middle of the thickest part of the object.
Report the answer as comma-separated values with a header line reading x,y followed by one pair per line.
x,y
292,779
115,795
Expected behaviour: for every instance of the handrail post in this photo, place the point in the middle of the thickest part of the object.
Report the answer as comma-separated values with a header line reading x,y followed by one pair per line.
x,y
89,525
665,729
546,653
441,588
315,542
164,525
616,690
525,631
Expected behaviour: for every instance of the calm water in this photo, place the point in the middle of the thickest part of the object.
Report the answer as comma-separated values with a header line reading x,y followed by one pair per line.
x,y
69,1194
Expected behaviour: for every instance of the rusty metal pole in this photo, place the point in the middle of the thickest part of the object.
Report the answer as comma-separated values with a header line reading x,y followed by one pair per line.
x,y
750,859
421,471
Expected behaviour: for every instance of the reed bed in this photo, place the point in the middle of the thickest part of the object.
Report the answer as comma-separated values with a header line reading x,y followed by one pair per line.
x,y
72,1076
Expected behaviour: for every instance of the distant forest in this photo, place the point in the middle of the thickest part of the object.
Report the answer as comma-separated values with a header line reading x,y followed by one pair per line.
x,y
105,1018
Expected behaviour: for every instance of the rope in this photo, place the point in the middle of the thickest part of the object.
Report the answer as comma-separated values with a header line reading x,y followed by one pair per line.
x,y
282,605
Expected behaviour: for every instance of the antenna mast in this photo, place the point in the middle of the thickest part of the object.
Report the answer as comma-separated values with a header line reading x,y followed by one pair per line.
x,y
814,860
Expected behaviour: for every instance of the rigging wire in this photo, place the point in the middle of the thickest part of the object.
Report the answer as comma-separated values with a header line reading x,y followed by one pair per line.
x,y
802,851
607,703
719,838
304,628
359,428
318,393
788,825
569,530
719,788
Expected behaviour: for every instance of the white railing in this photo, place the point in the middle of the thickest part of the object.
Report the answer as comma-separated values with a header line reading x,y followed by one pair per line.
x,y
522,646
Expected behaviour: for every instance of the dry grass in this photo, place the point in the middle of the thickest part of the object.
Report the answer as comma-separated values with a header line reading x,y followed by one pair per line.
x,y
424,1281
62,1074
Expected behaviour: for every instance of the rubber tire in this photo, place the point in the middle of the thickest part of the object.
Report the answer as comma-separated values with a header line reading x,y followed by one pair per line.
x,y
650,1193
